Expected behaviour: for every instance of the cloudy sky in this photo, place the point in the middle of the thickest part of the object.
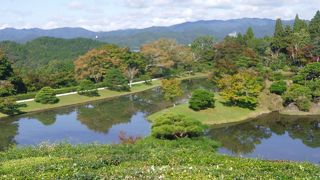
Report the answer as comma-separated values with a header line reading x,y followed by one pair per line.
x,y
106,15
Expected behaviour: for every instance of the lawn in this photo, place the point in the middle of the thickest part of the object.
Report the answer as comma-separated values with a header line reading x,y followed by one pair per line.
x,y
219,115
104,94
146,159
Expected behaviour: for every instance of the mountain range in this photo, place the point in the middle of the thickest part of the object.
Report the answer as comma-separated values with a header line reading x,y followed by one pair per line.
x,y
184,33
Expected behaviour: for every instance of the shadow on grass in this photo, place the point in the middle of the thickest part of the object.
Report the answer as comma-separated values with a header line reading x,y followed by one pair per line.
x,y
242,105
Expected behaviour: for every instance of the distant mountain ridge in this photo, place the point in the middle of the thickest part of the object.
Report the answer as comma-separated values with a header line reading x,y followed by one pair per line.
x,y
134,38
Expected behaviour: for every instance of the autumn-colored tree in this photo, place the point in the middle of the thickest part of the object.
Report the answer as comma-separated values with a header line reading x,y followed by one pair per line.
x,y
171,89
96,62
165,54
240,89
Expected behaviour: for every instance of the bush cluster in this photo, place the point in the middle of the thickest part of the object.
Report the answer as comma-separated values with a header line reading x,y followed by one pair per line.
x,y
174,126
201,99
115,80
46,96
87,88
278,87
300,95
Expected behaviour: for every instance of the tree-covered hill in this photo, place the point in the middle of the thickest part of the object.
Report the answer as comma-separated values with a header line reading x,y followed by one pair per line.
x,y
43,50
184,33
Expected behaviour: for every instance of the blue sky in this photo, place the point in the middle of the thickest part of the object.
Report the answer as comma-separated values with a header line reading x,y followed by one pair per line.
x,y
106,15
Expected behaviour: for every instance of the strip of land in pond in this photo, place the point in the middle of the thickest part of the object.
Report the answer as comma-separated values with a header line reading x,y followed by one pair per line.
x,y
74,99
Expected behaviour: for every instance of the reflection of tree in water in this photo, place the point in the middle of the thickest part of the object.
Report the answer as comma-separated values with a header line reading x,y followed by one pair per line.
x,y
102,116
48,118
9,129
305,128
242,138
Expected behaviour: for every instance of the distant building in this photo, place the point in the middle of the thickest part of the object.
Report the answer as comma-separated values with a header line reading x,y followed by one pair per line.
x,y
233,34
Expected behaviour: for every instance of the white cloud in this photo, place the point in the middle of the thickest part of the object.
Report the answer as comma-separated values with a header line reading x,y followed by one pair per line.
x,y
102,15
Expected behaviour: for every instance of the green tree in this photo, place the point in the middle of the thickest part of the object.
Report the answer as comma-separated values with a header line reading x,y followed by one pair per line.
x,y
10,83
300,95
173,126
201,99
171,89
297,43
46,96
278,38
202,48
249,36
87,88
299,24
10,107
115,80
314,26
241,89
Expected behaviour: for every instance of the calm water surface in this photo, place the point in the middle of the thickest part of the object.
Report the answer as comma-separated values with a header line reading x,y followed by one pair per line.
x,y
270,137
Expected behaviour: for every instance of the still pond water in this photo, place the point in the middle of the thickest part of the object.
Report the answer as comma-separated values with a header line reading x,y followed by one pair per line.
x,y
271,136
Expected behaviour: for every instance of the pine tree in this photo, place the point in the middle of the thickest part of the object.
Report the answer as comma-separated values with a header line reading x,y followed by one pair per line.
x,y
278,43
299,24
314,27
249,34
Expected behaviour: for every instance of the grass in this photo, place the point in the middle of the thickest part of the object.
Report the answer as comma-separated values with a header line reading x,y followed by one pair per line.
x,y
104,94
146,159
221,114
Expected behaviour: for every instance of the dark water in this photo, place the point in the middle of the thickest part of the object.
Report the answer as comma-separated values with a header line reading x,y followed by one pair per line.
x,y
99,122
270,137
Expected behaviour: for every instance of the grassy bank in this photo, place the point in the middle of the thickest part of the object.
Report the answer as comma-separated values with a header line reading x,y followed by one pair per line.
x,y
221,114
104,94
147,159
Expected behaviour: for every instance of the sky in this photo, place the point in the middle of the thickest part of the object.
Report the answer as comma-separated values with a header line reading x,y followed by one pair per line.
x,y
108,15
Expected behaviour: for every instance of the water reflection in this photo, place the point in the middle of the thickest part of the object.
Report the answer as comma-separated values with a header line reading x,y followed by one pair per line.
x,y
99,122
273,135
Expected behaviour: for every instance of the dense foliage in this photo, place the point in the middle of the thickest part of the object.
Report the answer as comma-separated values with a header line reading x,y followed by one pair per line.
x,y
87,88
201,99
46,96
173,126
9,106
171,89
241,89
41,51
146,159
278,87
115,80
300,95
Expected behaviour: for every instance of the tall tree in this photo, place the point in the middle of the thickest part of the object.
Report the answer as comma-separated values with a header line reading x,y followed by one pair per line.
x,y
299,24
314,26
278,43
249,34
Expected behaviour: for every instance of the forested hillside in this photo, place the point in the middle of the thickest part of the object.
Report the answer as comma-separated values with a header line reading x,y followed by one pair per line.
x,y
184,33
41,51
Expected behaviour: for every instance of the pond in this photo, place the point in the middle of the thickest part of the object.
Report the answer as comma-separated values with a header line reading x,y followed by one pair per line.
x,y
270,137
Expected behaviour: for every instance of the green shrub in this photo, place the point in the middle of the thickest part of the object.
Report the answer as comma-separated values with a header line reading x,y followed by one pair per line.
x,y
46,96
9,106
201,99
173,126
66,90
115,80
87,88
278,87
147,79
303,103
299,95
276,76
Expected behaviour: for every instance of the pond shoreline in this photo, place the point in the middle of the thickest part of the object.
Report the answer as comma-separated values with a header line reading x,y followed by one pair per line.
x,y
104,95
